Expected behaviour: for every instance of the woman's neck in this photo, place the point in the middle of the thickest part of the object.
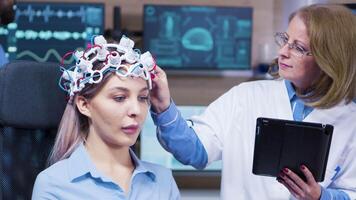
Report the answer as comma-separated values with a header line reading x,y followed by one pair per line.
x,y
300,88
101,152
113,162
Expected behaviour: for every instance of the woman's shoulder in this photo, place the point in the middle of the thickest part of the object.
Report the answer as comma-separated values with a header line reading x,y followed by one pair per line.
x,y
262,83
156,168
49,180
161,173
54,173
259,86
163,178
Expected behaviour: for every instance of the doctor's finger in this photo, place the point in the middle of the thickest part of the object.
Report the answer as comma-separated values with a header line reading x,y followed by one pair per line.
x,y
296,179
160,79
293,186
309,176
294,193
159,72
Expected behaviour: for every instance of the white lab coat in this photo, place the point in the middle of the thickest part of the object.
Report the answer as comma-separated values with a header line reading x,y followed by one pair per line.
x,y
227,131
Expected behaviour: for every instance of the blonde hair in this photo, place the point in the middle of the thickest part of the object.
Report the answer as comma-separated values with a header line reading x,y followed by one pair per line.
x,y
332,33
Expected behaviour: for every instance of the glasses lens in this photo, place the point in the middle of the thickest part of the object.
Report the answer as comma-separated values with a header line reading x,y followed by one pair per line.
x,y
296,52
279,39
300,51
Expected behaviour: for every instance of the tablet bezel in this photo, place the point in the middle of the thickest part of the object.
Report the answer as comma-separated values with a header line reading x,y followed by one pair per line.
x,y
272,150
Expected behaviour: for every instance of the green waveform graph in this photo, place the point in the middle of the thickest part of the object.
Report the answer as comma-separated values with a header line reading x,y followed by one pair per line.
x,y
45,58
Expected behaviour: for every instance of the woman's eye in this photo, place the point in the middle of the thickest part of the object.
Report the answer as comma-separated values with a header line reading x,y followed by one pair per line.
x,y
119,98
143,98
300,49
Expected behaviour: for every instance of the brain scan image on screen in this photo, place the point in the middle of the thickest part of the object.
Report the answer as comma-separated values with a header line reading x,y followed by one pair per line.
x,y
198,37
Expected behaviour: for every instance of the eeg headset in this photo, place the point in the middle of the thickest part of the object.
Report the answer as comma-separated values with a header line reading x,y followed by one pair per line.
x,y
112,56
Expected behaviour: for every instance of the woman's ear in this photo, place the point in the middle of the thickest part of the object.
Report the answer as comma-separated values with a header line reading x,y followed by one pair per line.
x,y
83,105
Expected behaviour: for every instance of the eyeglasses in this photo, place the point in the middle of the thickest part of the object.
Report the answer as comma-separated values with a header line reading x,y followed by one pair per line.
x,y
297,50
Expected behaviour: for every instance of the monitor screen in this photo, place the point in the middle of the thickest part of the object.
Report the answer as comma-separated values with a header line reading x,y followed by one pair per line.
x,y
198,37
45,31
152,151
352,6
117,18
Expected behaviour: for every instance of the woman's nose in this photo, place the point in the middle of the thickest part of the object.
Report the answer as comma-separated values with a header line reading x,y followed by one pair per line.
x,y
284,50
134,109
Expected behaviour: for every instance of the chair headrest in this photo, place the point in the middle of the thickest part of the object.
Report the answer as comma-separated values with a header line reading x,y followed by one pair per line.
x,y
30,97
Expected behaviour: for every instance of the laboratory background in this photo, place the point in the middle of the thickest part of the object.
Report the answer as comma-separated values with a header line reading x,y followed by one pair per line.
x,y
205,46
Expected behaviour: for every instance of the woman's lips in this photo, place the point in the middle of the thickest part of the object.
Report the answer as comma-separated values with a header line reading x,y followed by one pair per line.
x,y
284,66
132,129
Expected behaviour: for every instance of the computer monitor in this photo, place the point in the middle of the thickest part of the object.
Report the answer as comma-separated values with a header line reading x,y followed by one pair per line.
x,y
352,6
198,37
152,151
117,18
45,31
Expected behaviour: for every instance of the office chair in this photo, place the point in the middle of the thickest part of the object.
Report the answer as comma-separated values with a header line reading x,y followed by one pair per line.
x,y
31,106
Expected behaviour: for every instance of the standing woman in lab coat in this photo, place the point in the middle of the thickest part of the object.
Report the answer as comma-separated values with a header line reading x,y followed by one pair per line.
x,y
317,80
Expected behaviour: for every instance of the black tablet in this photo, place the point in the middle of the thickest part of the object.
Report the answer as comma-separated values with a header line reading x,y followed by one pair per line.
x,y
285,143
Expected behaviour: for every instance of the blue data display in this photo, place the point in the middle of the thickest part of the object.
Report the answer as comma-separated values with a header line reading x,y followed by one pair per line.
x,y
354,11
351,6
152,151
198,37
46,31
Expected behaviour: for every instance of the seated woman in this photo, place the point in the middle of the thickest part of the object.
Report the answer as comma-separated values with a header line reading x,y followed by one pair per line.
x,y
109,100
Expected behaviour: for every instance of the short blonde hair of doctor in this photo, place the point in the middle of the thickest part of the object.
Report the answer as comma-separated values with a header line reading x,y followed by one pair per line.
x,y
332,33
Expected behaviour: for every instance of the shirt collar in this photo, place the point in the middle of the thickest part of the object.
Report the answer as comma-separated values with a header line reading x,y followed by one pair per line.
x,y
81,165
142,167
290,90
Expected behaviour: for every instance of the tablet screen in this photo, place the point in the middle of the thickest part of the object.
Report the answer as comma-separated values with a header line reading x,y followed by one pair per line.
x,y
285,143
